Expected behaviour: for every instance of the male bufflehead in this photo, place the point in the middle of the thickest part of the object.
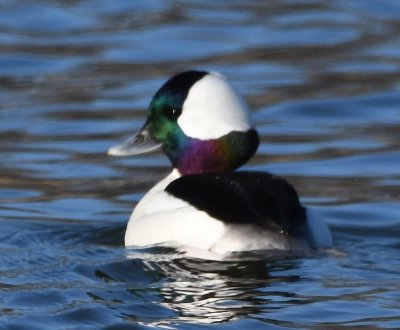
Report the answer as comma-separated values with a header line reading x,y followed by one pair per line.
x,y
203,126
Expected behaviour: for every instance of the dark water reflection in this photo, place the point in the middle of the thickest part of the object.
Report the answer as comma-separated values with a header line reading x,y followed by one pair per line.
x,y
322,79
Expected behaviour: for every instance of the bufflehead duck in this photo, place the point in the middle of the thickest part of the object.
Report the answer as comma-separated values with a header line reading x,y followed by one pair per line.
x,y
203,126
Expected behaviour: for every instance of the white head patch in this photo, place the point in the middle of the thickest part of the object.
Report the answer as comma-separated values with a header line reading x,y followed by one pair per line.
x,y
213,109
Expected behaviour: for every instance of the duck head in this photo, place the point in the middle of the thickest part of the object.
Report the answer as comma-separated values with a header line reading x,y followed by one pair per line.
x,y
200,123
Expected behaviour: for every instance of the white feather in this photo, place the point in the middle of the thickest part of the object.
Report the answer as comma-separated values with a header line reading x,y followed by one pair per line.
x,y
147,202
213,109
161,218
187,227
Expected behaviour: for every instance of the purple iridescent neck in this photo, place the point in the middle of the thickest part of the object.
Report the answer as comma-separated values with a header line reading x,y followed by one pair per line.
x,y
225,154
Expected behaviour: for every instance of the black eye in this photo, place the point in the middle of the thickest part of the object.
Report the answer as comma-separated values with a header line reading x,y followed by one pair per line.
x,y
174,113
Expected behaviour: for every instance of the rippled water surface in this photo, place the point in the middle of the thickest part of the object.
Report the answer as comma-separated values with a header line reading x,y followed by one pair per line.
x,y
322,79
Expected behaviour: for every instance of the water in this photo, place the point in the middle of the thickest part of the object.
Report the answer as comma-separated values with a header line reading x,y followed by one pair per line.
x,y
76,77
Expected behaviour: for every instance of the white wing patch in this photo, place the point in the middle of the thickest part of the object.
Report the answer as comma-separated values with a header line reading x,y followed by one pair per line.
x,y
213,109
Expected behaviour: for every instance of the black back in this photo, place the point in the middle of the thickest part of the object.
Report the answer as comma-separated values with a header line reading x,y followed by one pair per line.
x,y
254,198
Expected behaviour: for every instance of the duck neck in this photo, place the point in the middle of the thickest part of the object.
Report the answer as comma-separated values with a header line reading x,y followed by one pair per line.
x,y
225,154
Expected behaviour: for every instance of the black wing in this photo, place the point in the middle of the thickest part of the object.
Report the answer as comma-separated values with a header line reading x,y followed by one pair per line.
x,y
256,198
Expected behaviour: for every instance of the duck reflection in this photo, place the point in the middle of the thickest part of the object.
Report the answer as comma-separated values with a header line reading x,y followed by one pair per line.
x,y
216,291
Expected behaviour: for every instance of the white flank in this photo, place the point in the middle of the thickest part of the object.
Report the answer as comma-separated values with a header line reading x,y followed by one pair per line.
x,y
213,109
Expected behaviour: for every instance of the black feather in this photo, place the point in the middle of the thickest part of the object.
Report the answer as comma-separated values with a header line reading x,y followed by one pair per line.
x,y
254,198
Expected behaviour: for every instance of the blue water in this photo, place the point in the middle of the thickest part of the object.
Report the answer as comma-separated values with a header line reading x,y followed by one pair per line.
x,y
322,79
